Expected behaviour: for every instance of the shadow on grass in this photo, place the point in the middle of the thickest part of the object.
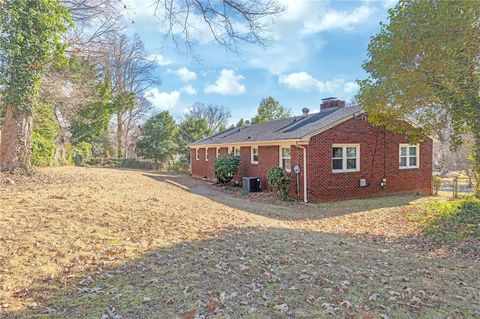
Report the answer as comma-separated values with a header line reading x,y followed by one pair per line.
x,y
270,273
285,211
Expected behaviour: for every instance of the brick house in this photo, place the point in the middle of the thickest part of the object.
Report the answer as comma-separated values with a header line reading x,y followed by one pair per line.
x,y
341,155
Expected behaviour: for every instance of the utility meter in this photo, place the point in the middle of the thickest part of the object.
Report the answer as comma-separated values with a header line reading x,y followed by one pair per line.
x,y
296,169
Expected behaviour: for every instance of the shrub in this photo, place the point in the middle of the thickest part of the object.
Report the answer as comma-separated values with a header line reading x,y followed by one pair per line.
x,y
82,153
451,220
279,181
226,167
437,183
43,150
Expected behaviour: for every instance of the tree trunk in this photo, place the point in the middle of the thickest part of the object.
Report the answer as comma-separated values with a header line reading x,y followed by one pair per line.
x,y
15,146
120,136
476,163
476,148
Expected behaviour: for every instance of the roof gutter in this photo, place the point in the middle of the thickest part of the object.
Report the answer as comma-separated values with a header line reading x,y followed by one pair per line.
x,y
305,194
251,143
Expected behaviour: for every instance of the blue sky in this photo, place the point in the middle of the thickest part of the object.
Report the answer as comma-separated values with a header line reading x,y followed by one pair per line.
x,y
316,50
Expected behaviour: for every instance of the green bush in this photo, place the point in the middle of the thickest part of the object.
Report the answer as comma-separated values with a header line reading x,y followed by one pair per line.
x,y
82,153
43,150
45,130
226,167
279,181
437,183
451,220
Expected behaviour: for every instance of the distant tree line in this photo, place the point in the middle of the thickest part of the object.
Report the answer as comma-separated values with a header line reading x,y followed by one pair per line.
x,y
163,139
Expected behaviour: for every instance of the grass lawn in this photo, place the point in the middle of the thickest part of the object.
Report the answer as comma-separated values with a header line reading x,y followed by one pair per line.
x,y
77,242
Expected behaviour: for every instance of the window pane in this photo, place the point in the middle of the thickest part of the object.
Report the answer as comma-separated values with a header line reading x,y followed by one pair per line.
x,y
286,153
351,163
412,161
403,151
286,164
403,161
336,152
351,152
255,158
255,151
413,150
337,164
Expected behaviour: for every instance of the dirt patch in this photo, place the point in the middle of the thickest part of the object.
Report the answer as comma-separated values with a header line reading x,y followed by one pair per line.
x,y
84,240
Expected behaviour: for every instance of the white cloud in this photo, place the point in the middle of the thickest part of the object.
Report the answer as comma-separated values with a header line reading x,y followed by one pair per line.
x,y
351,87
333,19
186,75
163,100
160,59
308,17
190,90
227,83
302,81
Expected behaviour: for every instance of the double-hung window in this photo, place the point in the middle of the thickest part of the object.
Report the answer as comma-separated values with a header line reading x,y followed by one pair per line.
x,y
345,158
408,156
286,158
197,154
218,152
254,153
206,154
236,151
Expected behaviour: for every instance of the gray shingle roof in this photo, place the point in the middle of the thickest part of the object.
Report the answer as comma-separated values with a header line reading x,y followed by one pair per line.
x,y
293,128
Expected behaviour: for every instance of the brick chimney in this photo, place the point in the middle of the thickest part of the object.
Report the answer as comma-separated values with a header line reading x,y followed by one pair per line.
x,y
329,102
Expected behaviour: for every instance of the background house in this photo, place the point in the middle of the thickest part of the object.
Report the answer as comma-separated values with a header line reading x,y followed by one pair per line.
x,y
341,155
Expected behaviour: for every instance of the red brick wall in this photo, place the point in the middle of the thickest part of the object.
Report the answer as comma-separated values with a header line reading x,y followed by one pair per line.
x,y
379,158
379,152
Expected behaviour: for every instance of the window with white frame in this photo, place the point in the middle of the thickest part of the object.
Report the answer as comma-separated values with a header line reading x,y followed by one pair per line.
x,y
254,154
230,150
197,154
206,154
236,151
345,157
408,156
286,158
218,152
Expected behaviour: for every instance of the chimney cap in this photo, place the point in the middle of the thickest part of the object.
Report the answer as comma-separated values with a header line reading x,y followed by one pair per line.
x,y
247,122
305,111
329,98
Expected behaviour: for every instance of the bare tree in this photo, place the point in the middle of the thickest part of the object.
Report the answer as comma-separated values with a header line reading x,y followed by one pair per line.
x,y
217,116
229,22
133,120
131,73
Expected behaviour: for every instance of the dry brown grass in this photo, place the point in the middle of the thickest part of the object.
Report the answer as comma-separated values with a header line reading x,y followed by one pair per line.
x,y
77,241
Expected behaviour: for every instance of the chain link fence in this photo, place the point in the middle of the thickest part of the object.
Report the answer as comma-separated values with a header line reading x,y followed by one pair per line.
x,y
455,186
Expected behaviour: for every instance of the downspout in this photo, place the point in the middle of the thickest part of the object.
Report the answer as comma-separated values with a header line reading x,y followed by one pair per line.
x,y
305,197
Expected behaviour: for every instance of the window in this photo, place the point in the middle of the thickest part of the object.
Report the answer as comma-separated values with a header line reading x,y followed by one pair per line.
x,y
206,154
197,154
286,158
218,152
230,150
254,153
236,151
345,158
408,156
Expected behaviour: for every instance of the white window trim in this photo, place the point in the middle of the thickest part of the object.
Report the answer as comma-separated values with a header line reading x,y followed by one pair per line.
x,y
251,155
280,157
408,156
239,151
197,154
344,158
218,152
206,154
